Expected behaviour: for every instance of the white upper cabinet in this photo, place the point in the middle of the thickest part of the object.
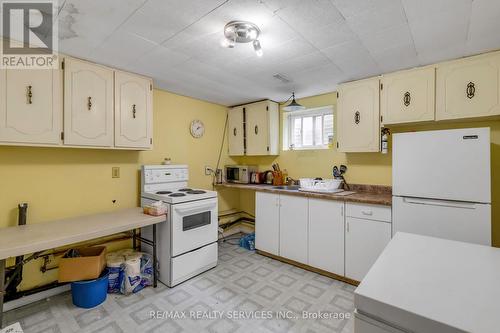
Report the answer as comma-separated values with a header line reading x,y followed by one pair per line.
x,y
408,96
31,106
235,131
133,110
88,104
469,87
257,125
358,116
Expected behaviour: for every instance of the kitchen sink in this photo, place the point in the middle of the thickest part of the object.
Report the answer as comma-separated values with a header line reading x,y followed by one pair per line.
x,y
287,187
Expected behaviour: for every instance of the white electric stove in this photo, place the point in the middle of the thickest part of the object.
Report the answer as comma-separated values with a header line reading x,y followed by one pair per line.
x,y
187,241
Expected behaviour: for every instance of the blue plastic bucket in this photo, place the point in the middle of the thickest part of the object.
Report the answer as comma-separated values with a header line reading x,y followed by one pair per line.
x,y
87,294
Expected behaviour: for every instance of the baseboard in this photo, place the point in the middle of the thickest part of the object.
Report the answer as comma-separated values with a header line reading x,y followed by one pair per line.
x,y
310,268
17,303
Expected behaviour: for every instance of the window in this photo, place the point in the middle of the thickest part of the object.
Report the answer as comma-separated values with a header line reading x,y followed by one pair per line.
x,y
308,129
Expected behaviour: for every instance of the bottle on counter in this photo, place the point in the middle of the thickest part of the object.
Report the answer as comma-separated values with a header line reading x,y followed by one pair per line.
x,y
284,174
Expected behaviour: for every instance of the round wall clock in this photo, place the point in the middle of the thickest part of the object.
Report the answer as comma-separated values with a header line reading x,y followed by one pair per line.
x,y
197,129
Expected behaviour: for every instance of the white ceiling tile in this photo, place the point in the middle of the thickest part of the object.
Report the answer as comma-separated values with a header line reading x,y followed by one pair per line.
x,y
311,14
396,58
349,8
353,59
484,26
159,20
159,60
275,5
94,18
122,49
392,37
329,35
440,33
423,8
382,18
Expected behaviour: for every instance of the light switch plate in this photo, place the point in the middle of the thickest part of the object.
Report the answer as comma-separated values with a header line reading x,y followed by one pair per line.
x,y
115,172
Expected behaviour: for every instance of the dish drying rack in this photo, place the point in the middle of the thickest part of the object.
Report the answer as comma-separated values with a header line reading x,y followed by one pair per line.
x,y
320,185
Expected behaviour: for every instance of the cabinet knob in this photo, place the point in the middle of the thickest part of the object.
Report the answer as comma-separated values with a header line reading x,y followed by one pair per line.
x,y
256,129
133,111
471,90
89,103
29,95
407,98
357,117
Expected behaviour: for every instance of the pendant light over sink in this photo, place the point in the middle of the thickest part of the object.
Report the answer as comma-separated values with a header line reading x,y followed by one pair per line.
x,y
293,106
242,32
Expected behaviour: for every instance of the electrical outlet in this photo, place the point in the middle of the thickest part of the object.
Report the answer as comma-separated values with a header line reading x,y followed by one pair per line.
x,y
208,170
115,172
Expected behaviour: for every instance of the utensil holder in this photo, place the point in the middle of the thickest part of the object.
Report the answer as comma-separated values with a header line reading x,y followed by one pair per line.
x,y
277,178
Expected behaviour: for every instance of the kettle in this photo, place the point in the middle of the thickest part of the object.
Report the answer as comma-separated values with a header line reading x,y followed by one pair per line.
x,y
267,177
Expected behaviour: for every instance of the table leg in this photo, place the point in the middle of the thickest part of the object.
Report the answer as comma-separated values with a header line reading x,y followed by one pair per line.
x,y
134,239
2,291
155,274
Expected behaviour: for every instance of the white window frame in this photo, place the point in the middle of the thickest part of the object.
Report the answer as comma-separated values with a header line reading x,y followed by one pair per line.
x,y
312,112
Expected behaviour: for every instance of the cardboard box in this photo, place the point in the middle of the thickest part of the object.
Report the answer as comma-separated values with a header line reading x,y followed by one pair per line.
x,y
87,267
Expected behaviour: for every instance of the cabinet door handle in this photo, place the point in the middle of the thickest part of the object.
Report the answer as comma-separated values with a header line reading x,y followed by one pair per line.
x,y
407,98
347,226
256,129
357,117
367,212
29,95
89,103
471,90
234,131
133,111
342,211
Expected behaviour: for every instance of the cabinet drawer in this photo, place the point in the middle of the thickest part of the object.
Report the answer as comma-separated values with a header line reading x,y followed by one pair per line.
x,y
369,212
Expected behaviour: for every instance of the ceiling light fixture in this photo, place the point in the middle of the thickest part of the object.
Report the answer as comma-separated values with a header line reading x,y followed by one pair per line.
x,y
257,48
242,32
293,106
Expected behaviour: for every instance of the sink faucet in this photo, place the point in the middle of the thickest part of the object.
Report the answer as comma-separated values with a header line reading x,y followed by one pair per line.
x,y
291,181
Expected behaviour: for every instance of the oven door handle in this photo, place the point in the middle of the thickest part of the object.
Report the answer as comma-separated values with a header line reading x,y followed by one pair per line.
x,y
198,209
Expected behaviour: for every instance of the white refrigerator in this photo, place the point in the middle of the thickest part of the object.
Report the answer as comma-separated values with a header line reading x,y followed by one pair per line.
x,y
442,184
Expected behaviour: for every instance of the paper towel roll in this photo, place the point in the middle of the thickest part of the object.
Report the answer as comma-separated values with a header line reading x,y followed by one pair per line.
x,y
132,274
115,261
126,252
135,255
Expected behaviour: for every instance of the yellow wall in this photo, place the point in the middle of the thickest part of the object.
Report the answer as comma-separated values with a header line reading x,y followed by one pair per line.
x,y
63,182
367,168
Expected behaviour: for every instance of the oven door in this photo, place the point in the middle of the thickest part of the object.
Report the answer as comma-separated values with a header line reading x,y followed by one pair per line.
x,y
194,224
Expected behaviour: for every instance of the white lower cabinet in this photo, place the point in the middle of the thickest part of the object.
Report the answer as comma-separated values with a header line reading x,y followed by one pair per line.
x,y
267,222
326,235
364,241
341,238
293,227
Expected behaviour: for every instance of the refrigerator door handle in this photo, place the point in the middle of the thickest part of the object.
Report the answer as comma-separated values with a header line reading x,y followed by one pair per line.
x,y
441,203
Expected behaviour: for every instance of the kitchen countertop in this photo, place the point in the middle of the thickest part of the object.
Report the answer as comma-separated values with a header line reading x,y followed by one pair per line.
x,y
427,284
368,194
29,238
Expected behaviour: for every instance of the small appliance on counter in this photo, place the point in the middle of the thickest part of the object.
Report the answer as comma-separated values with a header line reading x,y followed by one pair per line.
x,y
241,174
